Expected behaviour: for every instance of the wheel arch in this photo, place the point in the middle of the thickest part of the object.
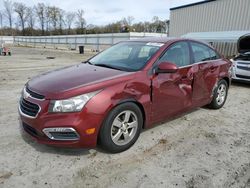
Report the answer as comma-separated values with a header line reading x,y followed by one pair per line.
x,y
132,100
129,100
227,80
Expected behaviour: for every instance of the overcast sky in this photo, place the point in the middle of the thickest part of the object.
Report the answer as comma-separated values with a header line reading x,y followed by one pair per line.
x,y
100,12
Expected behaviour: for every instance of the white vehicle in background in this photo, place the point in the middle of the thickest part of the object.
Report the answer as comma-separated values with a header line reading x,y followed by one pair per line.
x,y
241,63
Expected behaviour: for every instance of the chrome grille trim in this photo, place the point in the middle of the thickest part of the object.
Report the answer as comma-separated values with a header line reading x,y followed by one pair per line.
x,y
25,114
51,133
32,94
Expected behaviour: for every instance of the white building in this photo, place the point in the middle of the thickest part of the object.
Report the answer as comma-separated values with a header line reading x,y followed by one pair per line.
x,y
219,22
210,16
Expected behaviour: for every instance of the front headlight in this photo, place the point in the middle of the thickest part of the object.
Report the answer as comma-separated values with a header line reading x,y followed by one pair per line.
x,y
74,104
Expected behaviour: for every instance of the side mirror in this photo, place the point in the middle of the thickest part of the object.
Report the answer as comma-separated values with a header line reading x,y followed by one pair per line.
x,y
166,67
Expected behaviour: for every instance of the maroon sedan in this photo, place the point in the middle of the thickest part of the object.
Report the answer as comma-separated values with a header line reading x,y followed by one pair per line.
x,y
131,86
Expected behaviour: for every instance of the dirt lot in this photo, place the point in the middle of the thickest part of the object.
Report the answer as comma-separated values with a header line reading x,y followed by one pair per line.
x,y
205,148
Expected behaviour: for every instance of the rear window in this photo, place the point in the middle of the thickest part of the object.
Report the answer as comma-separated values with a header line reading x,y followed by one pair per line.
x,y
203,53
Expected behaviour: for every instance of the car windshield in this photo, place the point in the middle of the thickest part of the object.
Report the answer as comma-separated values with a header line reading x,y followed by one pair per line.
x,y
126,56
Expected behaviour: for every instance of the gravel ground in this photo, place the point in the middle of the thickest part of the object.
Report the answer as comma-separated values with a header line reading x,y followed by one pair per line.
x,y
204,148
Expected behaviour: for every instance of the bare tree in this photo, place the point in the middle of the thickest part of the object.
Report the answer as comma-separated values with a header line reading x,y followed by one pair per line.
x,y
155,19
80,19
41,14
8,5
31,19
47,17
69,19
54,16
130,20
21,10
61,20
127,21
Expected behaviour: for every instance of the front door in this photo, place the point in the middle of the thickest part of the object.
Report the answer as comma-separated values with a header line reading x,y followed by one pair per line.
x,y
172,92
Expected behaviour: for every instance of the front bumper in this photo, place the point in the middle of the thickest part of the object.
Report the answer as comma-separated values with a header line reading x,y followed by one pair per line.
x,y
241,71
79,121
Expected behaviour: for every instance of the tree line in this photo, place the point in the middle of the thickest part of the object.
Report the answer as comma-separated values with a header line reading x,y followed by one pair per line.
x,y
16,18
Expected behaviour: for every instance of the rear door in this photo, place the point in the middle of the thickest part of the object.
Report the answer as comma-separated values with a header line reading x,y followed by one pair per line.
x,y
172,92
206,62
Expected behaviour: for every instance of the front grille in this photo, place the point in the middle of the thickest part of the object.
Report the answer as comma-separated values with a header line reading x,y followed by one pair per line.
x,y
241,76
243,63
29,108
243,68
34,95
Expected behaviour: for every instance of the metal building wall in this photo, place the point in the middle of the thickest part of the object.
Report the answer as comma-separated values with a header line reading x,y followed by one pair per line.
x,y
219,15
228,49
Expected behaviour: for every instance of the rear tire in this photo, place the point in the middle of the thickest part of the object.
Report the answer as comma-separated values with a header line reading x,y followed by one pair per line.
x,y
121,128
220,95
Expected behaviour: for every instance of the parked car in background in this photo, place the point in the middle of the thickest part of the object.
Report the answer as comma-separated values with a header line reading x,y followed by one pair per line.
x,y
241,63
131,86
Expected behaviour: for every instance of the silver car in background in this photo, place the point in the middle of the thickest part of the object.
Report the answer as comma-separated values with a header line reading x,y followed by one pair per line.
x,y
241,63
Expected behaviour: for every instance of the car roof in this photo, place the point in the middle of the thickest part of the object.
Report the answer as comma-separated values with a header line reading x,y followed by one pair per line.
x,y
155,39
164,40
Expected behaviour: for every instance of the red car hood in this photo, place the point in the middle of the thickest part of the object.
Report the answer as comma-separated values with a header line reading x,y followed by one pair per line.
x,y
80,78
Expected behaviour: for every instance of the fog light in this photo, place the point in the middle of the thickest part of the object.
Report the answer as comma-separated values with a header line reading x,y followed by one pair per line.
x,y
90,131
61,133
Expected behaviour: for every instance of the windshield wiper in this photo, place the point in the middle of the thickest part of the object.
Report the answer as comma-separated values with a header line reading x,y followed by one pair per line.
x,y
87,62
107,66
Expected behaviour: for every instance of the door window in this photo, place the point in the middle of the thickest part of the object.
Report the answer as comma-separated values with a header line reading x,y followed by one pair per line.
x,y
177,54
202,52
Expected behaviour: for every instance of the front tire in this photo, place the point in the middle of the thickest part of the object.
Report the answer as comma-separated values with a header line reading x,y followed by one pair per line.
x,y
220,95
121,128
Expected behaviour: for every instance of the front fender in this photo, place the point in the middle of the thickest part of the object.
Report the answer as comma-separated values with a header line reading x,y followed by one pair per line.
x,y
110,97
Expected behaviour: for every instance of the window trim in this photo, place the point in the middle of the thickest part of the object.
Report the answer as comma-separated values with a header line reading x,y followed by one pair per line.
x,y
171,45
200,43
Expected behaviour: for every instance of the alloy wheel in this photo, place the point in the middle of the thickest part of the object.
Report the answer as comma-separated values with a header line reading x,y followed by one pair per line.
x,y
124,127
221,94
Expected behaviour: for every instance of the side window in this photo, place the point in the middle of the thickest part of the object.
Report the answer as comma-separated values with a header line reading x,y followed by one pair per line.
x,y
178,54
213,54
202,52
